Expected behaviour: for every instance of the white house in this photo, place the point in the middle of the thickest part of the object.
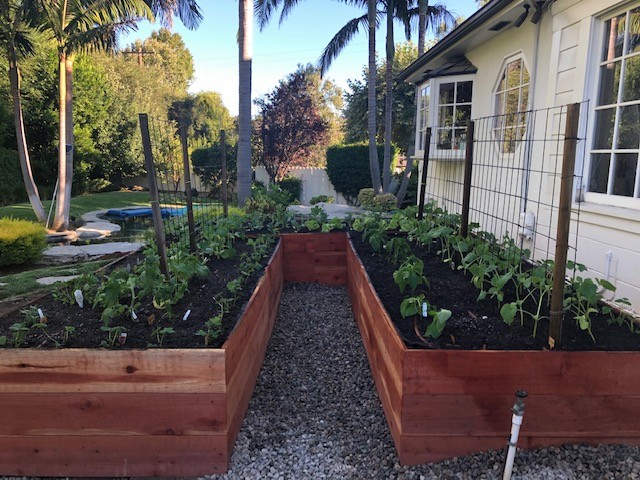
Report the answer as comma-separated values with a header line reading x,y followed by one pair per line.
x,y
515,55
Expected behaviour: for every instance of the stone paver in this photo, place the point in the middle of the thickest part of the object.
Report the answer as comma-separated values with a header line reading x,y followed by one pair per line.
x,y
52,280
79,253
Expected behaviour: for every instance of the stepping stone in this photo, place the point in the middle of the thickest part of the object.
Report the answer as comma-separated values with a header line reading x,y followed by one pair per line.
x,y
79,253
97,229
52,280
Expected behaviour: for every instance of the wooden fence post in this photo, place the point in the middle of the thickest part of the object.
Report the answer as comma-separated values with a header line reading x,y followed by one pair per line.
x,y
187,188
466,189
223,154
423,177
564,222
153,193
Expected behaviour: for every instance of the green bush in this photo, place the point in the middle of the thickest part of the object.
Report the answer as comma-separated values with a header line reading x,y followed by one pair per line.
x,y
266,200
293,186
348,168
366,196
385,202
11,184
21,241
321,198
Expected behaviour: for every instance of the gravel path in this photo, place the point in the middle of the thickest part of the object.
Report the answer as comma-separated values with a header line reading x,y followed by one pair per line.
x,y
315,412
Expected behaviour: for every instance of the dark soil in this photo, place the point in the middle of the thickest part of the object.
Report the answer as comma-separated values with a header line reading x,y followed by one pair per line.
x,y
477,325
199,299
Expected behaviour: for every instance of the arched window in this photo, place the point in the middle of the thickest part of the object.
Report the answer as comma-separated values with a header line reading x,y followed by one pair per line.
x,y
511,102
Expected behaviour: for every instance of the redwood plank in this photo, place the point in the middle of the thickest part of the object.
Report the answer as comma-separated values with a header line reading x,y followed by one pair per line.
x,y
113,456
112,414
89,370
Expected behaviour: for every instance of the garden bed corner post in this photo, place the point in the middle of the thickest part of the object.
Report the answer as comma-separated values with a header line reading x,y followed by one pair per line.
x,y
466,188
564,223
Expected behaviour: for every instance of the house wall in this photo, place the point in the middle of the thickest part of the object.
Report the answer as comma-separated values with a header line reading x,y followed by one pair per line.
x,y
563,71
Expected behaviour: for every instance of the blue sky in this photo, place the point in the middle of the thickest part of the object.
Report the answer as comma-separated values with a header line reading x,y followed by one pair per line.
x,y
278,49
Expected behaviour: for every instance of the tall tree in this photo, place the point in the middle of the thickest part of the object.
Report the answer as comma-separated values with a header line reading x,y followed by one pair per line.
x,y
245,53
187,11
80,25
290,124
15,40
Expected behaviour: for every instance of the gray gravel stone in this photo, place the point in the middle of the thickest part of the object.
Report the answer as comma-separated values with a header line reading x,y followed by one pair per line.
x,y
315,412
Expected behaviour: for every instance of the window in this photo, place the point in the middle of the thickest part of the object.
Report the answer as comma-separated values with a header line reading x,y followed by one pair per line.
x,y
423,115
511,102
616,140
453,114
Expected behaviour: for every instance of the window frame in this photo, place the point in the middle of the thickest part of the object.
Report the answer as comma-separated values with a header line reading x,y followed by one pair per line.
x,y
432,118
593,90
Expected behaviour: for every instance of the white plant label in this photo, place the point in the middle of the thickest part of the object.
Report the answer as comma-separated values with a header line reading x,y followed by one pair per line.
x,y
186,315
134,317
122,338
40,314
425,309
79,298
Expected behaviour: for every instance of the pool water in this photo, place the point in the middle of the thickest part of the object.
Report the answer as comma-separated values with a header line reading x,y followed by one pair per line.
x,y
132,229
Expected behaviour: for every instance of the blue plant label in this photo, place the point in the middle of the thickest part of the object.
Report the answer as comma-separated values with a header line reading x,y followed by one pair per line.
x,y
425,309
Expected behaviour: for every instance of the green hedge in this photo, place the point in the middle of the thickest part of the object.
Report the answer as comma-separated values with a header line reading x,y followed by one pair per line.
x,y
293,187
11,184
348,168
21,241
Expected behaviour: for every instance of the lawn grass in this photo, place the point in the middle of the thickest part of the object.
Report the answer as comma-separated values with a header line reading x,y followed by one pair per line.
x,y
25,282
82,204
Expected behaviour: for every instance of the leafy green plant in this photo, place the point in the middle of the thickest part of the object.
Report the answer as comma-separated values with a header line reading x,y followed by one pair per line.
x,y
113,335
160,334
212,329
410,274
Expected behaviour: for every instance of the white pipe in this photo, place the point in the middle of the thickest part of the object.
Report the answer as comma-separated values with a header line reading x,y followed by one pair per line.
x,y
609,256
516,422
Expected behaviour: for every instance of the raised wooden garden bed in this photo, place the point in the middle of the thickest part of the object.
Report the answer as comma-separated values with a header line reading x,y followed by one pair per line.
x,y
444,403
81,412
85,412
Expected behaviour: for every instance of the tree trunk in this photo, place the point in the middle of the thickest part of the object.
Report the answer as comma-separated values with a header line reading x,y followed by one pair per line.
x,y
69,146
374,166
423,6
388,101
244,110
23,152
406,175
61,218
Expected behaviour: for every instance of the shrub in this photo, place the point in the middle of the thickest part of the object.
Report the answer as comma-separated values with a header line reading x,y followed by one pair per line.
x,y
292,186
366,196
348,168
385,202
21,241
266,199
321,198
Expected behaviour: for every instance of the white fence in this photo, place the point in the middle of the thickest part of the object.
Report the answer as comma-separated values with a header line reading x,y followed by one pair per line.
x,y
315,181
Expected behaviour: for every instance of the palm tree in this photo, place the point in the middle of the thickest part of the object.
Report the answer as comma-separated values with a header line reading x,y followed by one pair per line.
x,y
76,26
245,53
14,39
187,11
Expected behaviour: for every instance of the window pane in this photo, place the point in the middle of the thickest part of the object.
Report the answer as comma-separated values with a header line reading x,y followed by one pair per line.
x,y
525,74
500,103
599,174
629,128
445,116
604,128
631,87
634,31
513,101
464,92
513,74
624,177
446,93
609,81
444,139
502,84
524,99
463,115
613,37
460,135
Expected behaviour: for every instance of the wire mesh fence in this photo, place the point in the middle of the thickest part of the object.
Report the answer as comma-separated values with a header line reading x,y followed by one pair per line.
x,y
190,177
514,184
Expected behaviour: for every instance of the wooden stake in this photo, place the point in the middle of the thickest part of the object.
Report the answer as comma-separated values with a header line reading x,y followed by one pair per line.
x,y
153,193
564,223
223,150
187,189
423,177
466,189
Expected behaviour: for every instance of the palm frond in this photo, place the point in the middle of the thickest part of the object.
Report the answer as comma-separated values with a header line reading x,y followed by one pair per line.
x,y
339,41
187,11
263,10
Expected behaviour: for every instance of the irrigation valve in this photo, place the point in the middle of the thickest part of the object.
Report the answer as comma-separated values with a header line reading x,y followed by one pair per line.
x,y
79,298
516,421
